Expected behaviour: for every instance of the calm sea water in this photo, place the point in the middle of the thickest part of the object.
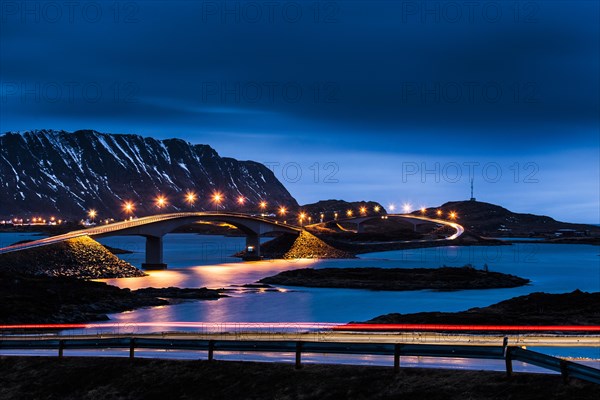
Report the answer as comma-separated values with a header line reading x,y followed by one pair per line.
x,y
198,261
205,261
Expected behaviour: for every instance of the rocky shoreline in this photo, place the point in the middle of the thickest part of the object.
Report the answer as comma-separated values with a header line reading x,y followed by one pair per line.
x,y
575,308
28,299
305,245
316,244
398,279
81,257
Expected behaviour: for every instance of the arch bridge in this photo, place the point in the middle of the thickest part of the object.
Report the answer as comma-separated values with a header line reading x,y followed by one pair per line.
x,y
154,228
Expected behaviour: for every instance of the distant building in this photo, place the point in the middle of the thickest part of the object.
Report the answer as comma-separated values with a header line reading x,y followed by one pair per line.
x,y
568,233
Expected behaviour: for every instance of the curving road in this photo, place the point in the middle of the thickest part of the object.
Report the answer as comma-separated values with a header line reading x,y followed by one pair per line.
x,y
457,227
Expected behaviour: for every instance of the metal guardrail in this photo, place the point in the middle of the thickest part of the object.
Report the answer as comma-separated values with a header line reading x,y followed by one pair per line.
x,y
567,369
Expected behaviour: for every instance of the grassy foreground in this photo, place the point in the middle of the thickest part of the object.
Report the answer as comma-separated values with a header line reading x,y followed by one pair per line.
x,y
115,378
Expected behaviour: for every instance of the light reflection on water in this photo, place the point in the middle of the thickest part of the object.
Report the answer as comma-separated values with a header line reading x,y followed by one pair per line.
x,y
551,268
9,238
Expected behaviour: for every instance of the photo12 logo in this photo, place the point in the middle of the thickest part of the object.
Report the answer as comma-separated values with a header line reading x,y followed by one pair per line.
x,y
69,12
454,172
469,12
317,172
269,92
26,92
480,257
269,12
469,92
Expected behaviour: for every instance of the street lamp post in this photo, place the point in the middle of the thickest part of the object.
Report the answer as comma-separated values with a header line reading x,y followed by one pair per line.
x,y
129,208
301,218
263,207
217,199
282,213
190,198
161,201
92,214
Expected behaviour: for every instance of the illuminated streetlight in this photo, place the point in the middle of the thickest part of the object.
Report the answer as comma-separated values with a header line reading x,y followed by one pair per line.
x,y
423,210
376,208
128,207
439,213
349,213
282,211
263,206
161,201
217,199
406,207
452,215
92,214
335,215
241,200
301,218
363,210
322,216
392,207
190,197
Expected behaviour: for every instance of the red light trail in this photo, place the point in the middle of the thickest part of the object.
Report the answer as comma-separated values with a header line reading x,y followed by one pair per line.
x,y
316,325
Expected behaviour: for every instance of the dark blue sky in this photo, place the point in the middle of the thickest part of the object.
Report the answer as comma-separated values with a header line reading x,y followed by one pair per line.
x,y
393,101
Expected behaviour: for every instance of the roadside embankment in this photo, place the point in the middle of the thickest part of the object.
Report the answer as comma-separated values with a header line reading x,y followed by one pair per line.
x,y
84,378
29,299
80,257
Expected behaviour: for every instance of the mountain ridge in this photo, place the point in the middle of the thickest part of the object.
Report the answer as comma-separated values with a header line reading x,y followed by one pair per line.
x,y
68,173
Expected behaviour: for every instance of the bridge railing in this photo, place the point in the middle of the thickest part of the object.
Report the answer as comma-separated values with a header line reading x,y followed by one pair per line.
x,y
508,353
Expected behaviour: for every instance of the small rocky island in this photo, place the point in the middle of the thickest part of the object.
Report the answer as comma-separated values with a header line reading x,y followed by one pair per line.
x,y
400,279
35,299
80,257
575,308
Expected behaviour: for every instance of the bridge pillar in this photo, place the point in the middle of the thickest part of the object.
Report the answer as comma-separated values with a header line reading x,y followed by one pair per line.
x,y
154,253
360,228
252,247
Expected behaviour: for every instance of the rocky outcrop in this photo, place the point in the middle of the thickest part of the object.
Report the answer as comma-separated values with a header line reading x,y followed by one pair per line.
x,y
575,308
488,219
308,245
30,299
81,257
445,278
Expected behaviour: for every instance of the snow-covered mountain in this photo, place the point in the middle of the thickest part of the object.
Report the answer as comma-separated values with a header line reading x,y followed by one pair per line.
x,y
63,173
